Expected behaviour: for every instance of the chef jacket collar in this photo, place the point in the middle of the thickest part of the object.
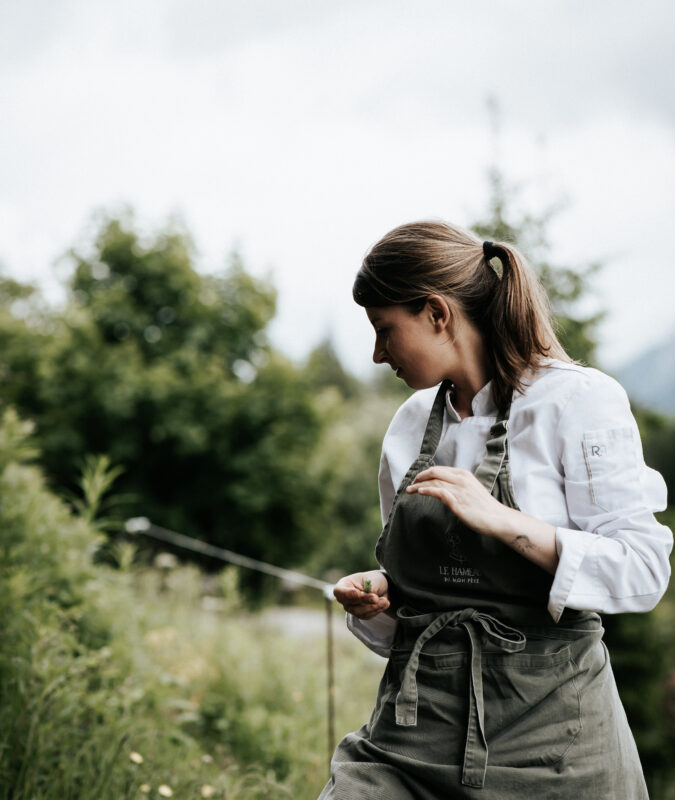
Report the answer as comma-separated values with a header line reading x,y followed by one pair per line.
x,y
482,405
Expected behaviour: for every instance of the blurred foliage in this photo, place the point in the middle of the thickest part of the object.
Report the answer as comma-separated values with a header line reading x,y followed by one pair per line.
x,y
324,370
347,460
116,682
658,438
148,293
564,285
642,646
642,656
169,374
98,476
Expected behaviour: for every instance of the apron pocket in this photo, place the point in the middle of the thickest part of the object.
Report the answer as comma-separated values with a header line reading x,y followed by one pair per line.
x,y
532,707
442,708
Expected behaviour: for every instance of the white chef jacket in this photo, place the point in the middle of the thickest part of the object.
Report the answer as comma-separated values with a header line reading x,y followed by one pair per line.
x,y
576,463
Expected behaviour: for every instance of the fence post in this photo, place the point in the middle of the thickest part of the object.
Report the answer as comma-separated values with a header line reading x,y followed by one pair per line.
x,y
330,662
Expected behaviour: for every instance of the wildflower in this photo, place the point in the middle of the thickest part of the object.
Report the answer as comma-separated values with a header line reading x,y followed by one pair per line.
x,y
208,790
145,788
137,758
166,561
165,791
207,759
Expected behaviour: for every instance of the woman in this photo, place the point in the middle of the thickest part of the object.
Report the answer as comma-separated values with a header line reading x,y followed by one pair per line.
x,y
517,506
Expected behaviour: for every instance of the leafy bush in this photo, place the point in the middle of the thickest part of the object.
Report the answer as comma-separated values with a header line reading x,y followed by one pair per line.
x,y
116,682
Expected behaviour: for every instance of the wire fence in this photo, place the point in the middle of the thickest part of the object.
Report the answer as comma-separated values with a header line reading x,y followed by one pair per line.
x,y
143,526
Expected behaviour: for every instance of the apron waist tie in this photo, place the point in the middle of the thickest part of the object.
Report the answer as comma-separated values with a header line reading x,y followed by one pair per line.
x,y
507,639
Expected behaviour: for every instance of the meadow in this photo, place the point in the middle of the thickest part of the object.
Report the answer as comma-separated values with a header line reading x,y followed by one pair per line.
x,y
121,680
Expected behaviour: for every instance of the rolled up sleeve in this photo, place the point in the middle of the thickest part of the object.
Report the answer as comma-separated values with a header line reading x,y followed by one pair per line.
x,y
377,633
616,559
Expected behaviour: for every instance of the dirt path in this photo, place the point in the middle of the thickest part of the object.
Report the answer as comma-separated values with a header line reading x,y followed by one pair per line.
x,y
304,623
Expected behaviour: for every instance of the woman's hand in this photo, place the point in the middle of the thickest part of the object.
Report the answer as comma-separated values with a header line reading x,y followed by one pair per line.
x,y
465,496
349,592
471,502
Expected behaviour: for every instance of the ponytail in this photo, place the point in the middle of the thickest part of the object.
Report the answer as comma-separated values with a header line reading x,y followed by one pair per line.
x,y
517,324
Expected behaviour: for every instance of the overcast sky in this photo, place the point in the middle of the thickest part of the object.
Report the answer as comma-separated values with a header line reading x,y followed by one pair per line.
x,y
300,131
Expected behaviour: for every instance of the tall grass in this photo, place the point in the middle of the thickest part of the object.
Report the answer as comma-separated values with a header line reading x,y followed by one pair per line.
x,y
251,689
123,683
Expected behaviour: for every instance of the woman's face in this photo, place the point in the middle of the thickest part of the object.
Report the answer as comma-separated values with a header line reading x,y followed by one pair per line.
x,y
410,343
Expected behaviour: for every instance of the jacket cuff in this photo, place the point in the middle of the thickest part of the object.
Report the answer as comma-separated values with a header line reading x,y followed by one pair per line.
x,y
377,633
572,547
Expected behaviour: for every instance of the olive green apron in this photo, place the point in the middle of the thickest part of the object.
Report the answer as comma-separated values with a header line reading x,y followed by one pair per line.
x,y
483,695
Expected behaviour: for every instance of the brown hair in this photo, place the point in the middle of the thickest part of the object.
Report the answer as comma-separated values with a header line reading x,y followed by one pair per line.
x,y
506,302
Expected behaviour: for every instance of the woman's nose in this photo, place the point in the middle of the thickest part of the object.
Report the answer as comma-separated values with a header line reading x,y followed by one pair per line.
x,y
379,353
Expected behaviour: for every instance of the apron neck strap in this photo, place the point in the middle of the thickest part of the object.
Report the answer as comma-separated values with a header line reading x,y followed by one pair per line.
x,y
497,446
432,435
497,452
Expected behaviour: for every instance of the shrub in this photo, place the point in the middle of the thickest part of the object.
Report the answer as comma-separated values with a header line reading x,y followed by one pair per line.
x,y
115,682
78,694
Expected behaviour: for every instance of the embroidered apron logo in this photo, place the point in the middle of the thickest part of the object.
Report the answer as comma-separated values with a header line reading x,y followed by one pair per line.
x,y
452,574
455,546
457,574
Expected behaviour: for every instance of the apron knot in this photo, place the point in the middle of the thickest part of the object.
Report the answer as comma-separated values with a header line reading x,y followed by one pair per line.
x,y
477,625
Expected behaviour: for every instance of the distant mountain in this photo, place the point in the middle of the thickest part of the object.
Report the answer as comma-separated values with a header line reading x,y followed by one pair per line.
x,y
649,378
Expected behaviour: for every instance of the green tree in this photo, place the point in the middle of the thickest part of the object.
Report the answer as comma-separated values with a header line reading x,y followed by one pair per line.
x,y
150,293
169,373
347,457
324,369
23,335
658,439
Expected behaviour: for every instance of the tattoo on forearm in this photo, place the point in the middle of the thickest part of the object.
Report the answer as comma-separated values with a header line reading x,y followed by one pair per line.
x,y
522,543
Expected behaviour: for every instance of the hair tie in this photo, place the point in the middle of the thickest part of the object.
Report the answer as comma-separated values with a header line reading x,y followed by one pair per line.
x,y
493,258
489,250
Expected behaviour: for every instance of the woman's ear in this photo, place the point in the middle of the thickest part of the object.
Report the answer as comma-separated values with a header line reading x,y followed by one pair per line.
x,y
440,312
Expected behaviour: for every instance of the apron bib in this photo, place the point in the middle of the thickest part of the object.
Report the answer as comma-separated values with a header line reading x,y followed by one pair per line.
x,y
483,695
